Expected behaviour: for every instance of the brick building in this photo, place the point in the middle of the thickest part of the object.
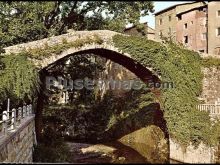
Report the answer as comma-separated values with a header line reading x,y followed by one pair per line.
x,y
166,20
192,28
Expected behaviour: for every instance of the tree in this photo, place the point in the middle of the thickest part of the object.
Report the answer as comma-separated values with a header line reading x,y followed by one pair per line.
x,y
26,21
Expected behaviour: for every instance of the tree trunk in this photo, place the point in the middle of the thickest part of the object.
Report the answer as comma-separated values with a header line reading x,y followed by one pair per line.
x,y
39,108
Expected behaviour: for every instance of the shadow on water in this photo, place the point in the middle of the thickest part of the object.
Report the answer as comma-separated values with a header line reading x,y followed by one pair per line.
x,y
140,138
121,154
130,154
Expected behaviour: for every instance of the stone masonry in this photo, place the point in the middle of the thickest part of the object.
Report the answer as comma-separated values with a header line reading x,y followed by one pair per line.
x,y
211,85
105,35
18,146
190,154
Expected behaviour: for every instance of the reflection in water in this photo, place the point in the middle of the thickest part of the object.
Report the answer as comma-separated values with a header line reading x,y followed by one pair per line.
x,y
112,152
145,145
125,154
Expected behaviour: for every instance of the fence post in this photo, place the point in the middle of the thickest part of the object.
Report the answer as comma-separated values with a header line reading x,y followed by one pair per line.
x,y
24,111
5,123
8,108
13,119
20,114
215,109
28,110
31,109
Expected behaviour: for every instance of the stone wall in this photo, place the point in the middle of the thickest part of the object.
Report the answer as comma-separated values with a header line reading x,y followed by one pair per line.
x,y
17,146
116,72
202,154
211,85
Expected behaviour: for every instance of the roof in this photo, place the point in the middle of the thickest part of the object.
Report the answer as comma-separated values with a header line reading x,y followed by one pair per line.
x,y
199,7
174,6
151,30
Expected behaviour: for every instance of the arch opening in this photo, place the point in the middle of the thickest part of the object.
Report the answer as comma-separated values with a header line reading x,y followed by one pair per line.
x,y
145,74
154,117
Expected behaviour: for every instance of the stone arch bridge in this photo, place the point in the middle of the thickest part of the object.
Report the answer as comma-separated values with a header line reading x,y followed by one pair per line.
x,y
105,49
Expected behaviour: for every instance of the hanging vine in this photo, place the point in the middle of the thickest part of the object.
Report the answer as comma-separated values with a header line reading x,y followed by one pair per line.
x,y
19,78
181,66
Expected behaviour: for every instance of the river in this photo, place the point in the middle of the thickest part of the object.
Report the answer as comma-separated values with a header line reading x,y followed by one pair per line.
x,y
112,152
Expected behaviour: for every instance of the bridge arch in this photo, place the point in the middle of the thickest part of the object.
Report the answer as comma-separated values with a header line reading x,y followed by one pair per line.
x,y
142,72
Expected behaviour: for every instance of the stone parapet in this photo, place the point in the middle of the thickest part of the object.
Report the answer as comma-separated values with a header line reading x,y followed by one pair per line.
x,y
17,146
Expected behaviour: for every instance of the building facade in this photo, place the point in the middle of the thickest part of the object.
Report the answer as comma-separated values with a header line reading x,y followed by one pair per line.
x,y
165,24
192,29
214,27
166,20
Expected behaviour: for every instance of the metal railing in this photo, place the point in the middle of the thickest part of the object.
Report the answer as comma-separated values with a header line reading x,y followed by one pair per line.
x,y
213,109
11,119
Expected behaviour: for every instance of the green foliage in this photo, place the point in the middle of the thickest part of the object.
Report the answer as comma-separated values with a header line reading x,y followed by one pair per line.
x,y
182,67
214,134
210,62
50,154
23,21
19,78
126,108
52,149
46,51
27,21
100,119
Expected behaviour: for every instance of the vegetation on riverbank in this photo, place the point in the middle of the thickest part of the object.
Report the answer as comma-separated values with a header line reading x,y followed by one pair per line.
x,y
182,67
52,149
47,51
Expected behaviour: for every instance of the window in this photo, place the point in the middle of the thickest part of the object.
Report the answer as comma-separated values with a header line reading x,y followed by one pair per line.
x,y
160,33
185,25
191,22
202,51
179,17
218,13
160,21
218,31
204,35
186,39
169,17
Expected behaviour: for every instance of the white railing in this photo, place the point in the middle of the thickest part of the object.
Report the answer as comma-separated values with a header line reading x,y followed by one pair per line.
x,y
11,119
213,109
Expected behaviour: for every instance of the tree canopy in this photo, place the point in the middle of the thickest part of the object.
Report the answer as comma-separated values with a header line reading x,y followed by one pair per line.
x,y
24,21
